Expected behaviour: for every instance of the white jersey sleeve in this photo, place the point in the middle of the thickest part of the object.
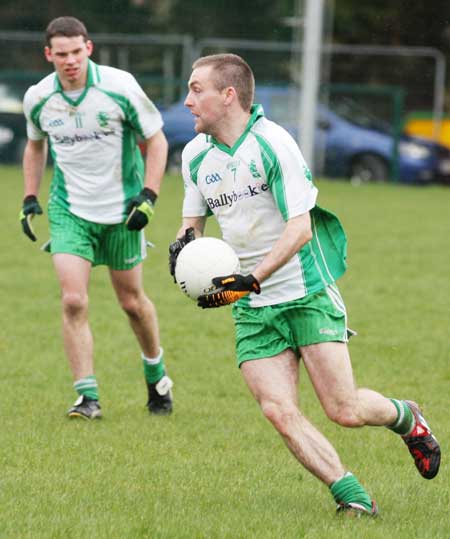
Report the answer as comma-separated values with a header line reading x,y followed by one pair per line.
x,y
252,189
29,101
98,165
194,204
288,176
144,116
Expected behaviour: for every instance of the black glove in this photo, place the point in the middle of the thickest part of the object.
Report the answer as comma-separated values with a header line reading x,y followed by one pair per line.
x,y
30,208
230,289
175,249
140,209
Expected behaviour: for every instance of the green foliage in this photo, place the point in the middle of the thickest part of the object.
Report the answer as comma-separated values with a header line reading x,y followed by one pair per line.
x,y
255,19
393,23
121,16
216,469
382,22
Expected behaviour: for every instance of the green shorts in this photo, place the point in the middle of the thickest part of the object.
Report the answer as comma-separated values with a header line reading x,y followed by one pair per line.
x,y
112,245
267,331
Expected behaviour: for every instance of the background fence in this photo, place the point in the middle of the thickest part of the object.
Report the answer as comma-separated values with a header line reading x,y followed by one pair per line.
x,y
392,83
164,61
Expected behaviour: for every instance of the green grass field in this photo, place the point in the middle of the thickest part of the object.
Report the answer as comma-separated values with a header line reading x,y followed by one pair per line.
x,y
216,468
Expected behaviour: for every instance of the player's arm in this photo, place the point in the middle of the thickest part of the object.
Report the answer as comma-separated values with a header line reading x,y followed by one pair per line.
x,y
296,234
194,210
191,229
155,161
141,208
231,288
301,193
34,160
197,223
294,179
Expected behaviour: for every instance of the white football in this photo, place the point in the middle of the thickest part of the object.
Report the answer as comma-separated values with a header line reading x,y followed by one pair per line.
x,y
201,260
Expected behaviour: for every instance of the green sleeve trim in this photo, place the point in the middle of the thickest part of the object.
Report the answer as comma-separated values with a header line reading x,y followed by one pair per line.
x,y
323,259
35,114
58,188
128,109
194,165
274,174
132,163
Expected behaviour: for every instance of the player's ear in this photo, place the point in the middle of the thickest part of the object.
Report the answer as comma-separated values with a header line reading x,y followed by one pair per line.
x,y
89,47
230,95
48,54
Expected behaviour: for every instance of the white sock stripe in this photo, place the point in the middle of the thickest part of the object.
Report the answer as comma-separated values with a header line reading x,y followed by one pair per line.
x,y
84,386
401,415
153,360
88,381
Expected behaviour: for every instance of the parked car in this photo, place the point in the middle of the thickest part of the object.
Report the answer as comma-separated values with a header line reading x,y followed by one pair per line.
x,y
13,135
350,142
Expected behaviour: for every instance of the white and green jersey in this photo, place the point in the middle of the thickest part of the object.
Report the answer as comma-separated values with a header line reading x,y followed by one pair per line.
x,y
97,164
252,189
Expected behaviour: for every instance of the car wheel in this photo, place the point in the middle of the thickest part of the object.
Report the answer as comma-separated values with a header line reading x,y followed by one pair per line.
x,y
20,148
369,168
174,160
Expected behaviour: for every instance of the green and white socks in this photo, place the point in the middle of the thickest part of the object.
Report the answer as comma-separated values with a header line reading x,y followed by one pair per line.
x,y
405,419
154,368
349,490
87,387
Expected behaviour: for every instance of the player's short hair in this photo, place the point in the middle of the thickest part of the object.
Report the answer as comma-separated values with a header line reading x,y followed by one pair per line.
x,y
231,70
67,27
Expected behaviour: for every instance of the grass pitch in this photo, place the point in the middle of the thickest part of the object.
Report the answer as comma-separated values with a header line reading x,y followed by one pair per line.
x,y
216,468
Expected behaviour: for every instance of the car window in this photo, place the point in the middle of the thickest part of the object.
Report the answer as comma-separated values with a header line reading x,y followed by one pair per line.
x,y
10,98
350,110
283,107
279,106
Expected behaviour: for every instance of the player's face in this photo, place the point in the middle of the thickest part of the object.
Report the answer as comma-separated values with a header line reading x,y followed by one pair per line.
x,y
69,56
205,101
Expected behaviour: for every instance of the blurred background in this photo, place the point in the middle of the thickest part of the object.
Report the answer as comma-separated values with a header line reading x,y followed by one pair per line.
x,y
362,86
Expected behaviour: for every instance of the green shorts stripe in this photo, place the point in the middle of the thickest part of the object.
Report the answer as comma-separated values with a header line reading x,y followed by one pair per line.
x,y
336,298
267,331
112,245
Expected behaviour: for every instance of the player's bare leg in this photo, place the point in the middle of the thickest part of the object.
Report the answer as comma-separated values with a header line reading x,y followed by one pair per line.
x,y
138,307
329,368
73,274
273,382
144,321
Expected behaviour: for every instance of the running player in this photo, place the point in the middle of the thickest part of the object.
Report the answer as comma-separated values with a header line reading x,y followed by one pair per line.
x,y
286,305
100,198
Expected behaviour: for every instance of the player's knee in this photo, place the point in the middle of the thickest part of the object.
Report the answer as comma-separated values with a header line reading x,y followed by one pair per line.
x,y
74,303
279,414
133,305
345,416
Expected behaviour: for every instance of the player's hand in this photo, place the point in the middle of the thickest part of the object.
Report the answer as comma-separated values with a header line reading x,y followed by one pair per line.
x,y
140,209
230,289
175,249
30,208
